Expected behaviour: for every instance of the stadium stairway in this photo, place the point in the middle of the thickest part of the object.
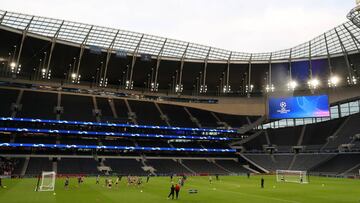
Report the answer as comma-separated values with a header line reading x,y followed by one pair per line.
x,y
200,166
96,109
189,169
24,167
252,125
223,168
162,115
350,170
192,118
302,134
292,162
253,163
54,166
147,167
249,138
131,114
335,134
220,122
345,133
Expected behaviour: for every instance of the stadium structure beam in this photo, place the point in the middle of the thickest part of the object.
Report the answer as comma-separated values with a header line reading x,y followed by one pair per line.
x,y
227,87
155,84
108,56
203,86
179,87
24,34
82,48
53,43
310,64
290,64
2,17
135,52
270,80
328,54
346,57
354,39
249,76
12,20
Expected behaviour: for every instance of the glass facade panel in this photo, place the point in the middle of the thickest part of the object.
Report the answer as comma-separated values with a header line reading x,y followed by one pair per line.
x,y
344,109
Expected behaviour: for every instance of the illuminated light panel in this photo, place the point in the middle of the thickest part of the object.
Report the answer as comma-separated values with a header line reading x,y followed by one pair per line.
x,y
130,148
115,125
115,134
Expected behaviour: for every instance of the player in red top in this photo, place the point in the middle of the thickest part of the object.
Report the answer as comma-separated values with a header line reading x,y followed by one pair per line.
x,y
177,190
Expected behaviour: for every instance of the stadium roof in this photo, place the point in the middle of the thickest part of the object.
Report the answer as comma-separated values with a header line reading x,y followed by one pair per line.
x,y
337,41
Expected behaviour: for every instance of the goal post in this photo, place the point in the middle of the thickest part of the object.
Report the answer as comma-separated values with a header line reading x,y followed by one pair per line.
x,y
46,181
291,176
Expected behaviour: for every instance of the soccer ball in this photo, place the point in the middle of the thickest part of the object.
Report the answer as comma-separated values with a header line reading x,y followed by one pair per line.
x,y
141,191
5,187
54,193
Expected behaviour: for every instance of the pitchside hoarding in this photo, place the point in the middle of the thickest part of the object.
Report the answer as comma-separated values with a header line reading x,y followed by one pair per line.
x,y
299,107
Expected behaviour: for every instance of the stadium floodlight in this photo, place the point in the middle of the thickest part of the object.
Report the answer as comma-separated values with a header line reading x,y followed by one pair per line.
x,y
226,88
103,83
154,87
333,81
12,65
75,78
249,89
43,73
270,88
203,88
292,85
179,88
129,84
73,75
313,83
352,81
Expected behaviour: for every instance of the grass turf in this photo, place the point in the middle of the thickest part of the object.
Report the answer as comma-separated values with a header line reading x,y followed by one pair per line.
x,y
228,189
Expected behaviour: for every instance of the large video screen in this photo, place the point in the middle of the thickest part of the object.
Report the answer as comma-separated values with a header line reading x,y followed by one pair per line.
x,y
299,107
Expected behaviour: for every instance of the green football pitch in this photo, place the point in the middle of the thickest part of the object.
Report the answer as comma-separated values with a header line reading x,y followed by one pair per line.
x,y
228,189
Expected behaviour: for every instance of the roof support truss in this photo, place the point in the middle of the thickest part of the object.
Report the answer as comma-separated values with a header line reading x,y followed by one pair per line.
x,y
53,42
346,57
24,34
133,61
108,56
82,48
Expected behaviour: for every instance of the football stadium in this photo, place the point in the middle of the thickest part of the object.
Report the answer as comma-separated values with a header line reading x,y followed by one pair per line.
x,y
90,113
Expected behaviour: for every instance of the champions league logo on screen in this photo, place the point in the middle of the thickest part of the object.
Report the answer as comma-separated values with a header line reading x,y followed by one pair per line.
x,y
299,107
283,109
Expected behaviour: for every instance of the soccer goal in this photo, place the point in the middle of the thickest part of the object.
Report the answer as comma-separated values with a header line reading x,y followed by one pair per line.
x,y
46,181
291,176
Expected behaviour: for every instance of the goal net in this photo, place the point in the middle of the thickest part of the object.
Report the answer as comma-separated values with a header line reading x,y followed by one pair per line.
x,y
46,181
291,176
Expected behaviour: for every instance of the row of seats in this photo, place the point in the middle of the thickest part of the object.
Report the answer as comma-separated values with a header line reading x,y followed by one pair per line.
x,y
35,104
126,166
332,164
328,135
